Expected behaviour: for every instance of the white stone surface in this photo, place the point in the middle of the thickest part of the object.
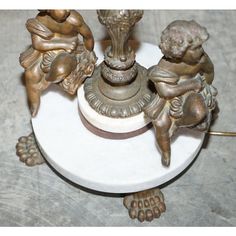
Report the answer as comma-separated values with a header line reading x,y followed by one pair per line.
x,y
122,125
115,166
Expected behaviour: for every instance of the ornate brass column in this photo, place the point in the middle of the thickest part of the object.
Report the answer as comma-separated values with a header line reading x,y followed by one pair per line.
x,y
119,86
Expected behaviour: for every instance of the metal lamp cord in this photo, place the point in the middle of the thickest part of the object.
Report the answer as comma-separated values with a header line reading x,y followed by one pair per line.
x,y
222,133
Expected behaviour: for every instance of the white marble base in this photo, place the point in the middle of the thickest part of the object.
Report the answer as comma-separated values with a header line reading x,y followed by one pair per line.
x,y
113,125
115,166
122,125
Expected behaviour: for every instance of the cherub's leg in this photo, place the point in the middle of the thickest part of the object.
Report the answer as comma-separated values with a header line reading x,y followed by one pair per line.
x,y
34,99
27,148
194,111
32,78
61,67
162,131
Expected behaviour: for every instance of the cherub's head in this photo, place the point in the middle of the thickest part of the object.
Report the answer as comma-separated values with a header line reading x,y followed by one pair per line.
x,y
59,15
183,40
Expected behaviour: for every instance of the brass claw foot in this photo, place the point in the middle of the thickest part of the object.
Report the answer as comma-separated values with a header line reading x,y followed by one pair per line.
x,y
145,205
28,152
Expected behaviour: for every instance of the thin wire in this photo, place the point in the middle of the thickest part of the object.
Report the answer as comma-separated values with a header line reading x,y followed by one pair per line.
x,y
222,133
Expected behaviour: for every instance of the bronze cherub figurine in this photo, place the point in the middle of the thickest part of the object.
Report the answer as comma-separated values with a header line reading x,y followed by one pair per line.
x,y
57,55
183,80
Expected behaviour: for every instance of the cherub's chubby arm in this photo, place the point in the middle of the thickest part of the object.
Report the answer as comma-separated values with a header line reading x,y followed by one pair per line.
x,y
83,29
207,68
169,91
55,43
43,39
167,83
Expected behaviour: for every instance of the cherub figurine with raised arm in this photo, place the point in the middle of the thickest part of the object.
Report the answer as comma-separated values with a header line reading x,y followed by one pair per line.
x,y
57,55
183,80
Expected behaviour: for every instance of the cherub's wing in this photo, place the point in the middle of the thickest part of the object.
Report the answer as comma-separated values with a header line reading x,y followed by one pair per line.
x,y
34,26
158,74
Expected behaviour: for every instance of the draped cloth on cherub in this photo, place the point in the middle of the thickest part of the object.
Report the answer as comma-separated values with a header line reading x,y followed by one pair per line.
x,y
86,60
157,74
34,26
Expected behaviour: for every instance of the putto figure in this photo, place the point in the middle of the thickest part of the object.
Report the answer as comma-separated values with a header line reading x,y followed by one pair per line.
x,y
183,80
57,55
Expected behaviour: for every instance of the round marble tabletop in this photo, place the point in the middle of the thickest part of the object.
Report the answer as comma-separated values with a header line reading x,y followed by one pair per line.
x,y
114,166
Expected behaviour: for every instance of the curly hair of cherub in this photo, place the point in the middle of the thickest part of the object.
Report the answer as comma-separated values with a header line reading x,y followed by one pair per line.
x,y
180,35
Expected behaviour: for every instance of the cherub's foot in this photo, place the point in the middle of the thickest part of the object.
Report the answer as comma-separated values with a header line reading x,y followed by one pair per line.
x,y
204,126
28,152
145,205
34,109
165,159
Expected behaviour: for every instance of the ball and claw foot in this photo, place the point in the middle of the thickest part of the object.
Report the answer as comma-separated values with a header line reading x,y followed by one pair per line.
x,y
28,152
146,205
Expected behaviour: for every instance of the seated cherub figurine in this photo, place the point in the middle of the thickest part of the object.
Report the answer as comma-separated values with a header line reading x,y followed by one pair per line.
x,y
182,78
56,54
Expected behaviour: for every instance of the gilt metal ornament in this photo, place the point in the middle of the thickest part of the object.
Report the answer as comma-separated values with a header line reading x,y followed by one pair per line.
x,y
119,86
145,205
28,152
56,54
185,96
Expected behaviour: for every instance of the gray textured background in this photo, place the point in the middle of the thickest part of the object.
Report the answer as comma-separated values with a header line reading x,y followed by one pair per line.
x,y
204,196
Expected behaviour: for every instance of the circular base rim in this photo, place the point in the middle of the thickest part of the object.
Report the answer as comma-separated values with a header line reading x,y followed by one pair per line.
x,y
109,124
111,135
57,124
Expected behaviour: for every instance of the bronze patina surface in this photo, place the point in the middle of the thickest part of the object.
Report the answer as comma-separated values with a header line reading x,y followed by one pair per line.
x,y
56,54
146,205
183,79
119,86
28,151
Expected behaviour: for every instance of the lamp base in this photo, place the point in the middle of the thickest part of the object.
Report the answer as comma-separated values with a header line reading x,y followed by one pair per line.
x,y
106,165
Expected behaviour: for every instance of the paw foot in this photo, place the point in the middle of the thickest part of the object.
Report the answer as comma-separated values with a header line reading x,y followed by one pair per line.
x,y
28,152
146,205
